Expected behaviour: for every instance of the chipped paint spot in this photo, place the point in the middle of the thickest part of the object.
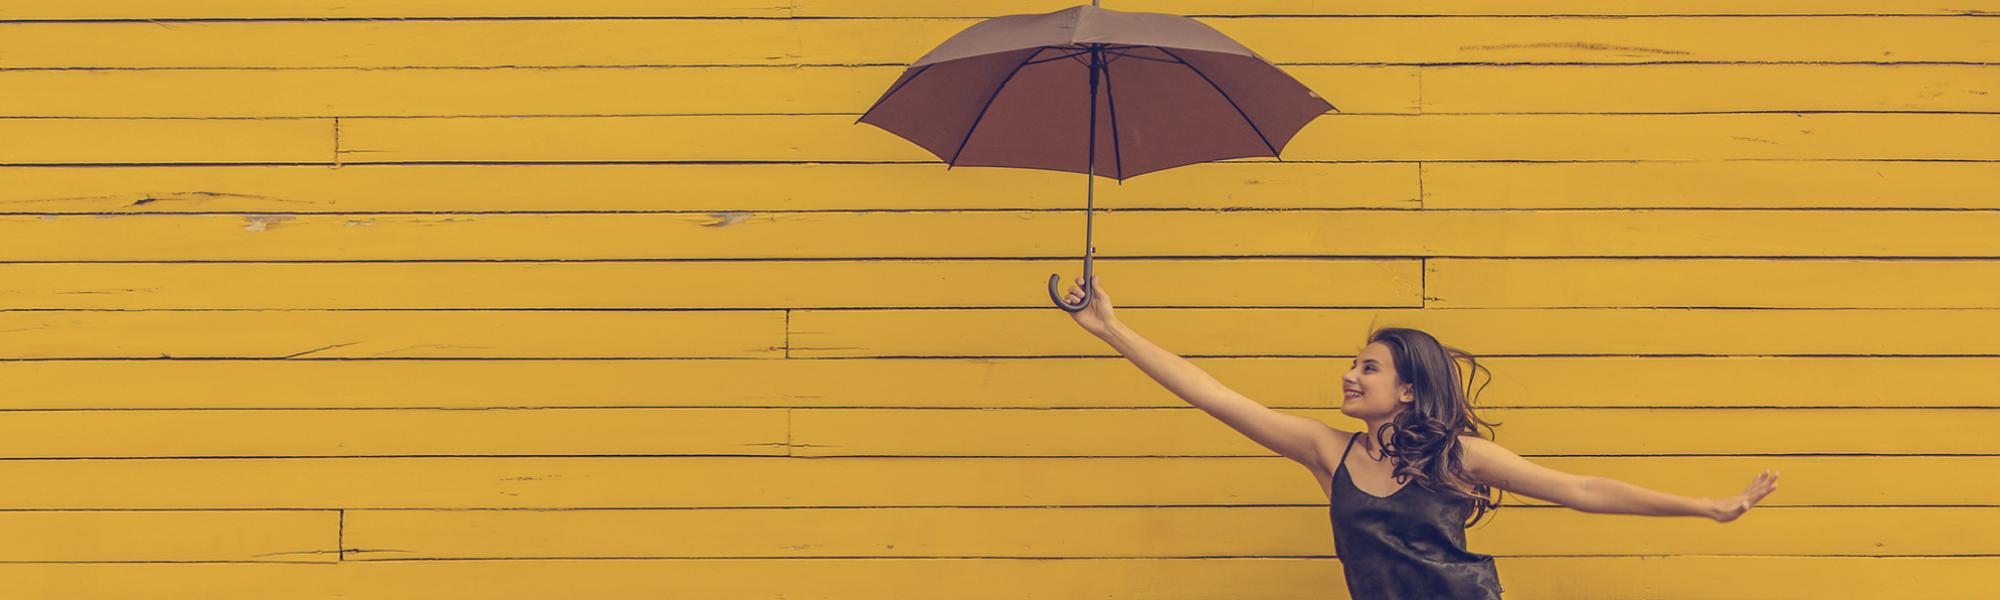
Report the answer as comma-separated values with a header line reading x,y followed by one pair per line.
x,y
725,219
264,222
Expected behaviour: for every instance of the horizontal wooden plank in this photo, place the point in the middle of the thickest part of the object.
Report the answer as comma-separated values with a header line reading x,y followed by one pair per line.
x,y
1693,88
1191,432
1333,137
897,432
84,536
1711,184
1365,7
1253,282
382,9
491,43
748,482
1135,532
1778,578
761,187
420,432
1001,234
391,334
241,9
343,92
972,333
1246,332
687,187
1614,382
164,140
546,91
1477,283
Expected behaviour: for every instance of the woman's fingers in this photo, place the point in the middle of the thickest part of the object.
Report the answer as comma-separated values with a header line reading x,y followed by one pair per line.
x,y
1765,483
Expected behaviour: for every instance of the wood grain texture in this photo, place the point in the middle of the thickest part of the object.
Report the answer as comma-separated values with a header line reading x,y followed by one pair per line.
x,y
1102,382
744,482
1278,332
651,42
1174,579
1150,532
873,235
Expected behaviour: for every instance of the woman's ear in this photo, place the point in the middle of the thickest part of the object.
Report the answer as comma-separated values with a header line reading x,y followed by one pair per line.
x,y
1407,396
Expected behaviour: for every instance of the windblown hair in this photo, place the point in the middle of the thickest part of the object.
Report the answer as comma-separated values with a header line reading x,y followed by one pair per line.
x,y
1422,440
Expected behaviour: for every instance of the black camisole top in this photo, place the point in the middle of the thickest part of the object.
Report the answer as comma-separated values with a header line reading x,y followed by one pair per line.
x,y
1409,545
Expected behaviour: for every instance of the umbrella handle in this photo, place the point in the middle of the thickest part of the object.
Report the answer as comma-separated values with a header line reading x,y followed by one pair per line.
x,y
1055,279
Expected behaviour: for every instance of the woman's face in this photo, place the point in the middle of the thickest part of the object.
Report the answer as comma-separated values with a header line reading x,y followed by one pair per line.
x,y
1371,387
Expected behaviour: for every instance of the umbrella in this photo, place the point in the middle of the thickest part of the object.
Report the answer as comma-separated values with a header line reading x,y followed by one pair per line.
x,y
1088,90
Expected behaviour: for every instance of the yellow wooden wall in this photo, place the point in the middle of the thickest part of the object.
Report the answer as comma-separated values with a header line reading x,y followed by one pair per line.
x,y
611,299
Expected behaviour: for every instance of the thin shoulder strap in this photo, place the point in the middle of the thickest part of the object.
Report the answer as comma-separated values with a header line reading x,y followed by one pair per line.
x,y
1350,448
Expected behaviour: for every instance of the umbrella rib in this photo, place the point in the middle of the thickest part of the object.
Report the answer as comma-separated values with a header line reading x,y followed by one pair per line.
x,y
1225,97
892,92
1111,100
989,104
1055,58
1131,55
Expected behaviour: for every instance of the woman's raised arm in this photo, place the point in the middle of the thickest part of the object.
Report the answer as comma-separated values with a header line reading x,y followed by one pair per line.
x,y
1295,437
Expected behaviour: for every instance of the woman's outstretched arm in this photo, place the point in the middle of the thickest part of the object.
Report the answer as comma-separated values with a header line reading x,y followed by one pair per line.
x,y
1291,436
1502,468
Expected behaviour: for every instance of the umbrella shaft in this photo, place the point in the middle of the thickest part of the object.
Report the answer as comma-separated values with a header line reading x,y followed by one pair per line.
x,y
1090,170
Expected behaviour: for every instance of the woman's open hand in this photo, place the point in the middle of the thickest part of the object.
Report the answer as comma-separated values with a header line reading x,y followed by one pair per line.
x,y
1728,509
1096,319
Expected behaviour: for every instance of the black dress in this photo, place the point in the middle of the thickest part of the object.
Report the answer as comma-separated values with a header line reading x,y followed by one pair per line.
x,y
1409,545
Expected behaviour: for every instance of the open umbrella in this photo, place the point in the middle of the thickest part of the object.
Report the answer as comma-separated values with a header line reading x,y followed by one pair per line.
x,y
1094,91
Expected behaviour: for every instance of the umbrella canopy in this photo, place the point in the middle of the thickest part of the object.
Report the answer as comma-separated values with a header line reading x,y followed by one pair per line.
x,y
1088,90
1014,91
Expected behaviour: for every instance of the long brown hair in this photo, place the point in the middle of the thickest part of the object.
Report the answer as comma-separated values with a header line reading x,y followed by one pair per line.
x,y
1422,439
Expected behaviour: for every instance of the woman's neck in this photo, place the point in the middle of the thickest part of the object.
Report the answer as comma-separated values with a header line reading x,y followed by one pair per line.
x,y
1367,441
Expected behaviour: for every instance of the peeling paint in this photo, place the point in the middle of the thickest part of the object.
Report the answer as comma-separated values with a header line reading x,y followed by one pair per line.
x,y
198,196
1578,46
255,223
725,219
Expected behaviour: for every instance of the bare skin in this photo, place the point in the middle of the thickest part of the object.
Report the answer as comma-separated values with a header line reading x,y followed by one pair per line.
x,y
1375,394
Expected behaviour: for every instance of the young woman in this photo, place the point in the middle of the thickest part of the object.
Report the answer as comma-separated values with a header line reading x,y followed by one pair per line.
x,y
1401,505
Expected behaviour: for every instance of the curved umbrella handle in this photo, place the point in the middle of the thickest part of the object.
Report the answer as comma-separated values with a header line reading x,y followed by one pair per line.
x,y
1055,283
1055,280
